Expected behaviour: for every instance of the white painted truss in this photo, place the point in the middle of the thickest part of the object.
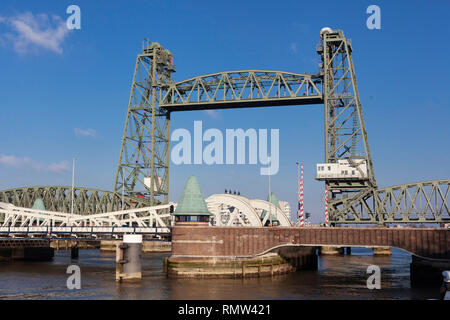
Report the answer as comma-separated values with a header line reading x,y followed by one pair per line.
x,y
154,219
239,211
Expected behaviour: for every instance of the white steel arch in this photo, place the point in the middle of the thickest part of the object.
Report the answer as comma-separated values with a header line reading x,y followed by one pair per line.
x,y
232,210
25,220
260,205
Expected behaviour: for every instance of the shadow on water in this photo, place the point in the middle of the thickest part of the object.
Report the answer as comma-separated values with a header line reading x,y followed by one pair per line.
x,y
337,277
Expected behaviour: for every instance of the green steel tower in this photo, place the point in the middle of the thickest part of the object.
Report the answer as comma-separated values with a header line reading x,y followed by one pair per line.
x,y
144,155
346,141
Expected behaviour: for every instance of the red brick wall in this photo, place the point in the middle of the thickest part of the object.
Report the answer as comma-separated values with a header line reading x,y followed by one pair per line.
x,y
242,241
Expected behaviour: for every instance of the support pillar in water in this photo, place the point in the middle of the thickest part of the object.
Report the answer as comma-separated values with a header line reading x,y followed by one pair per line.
x,y
382,251
74,252
331,250
129,258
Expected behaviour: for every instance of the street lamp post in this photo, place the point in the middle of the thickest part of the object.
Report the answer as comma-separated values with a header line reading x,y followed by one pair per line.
x,y
123,191
73,184
270,197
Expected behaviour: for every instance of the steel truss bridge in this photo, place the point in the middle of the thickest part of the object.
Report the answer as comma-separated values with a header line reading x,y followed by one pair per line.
x,y
143,166
19,221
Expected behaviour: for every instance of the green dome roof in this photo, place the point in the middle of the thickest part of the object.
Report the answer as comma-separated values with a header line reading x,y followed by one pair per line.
x,y
191,202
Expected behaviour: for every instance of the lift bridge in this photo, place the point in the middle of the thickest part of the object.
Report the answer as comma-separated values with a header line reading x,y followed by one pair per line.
x,y
142,177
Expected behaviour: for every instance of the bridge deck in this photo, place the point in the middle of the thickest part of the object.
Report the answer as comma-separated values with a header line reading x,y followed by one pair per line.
x,y
208,242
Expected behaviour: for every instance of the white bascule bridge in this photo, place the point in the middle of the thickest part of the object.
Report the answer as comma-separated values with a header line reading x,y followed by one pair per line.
x,y
228,210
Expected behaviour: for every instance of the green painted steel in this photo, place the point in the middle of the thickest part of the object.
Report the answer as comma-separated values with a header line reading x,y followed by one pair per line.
x,y
59,198
191,201
143,167
421,202
243,89
144,153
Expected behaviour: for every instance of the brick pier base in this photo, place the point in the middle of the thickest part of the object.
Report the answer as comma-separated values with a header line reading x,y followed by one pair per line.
x,y
280,261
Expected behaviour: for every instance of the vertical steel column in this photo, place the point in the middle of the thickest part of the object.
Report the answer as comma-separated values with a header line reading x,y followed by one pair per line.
x,y
143,167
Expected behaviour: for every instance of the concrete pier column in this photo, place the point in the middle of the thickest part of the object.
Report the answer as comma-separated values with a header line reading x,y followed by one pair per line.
x,y
129,258
331,250
74,252
382,251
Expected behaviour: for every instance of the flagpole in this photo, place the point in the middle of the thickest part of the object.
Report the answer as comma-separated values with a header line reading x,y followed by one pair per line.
x,y
302,222
298,193
326,206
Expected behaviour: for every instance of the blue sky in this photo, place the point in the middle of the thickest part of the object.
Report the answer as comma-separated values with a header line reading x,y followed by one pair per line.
x,y
66,94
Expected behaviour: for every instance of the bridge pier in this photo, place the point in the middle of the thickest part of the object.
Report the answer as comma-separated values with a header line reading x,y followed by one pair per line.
x,y
381,251
25,249
74,252
147,246
427,272
279,261
331,250
129,258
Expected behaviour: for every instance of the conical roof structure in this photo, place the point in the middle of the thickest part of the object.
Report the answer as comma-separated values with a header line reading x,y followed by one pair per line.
x,y
191,202
38,204
272,198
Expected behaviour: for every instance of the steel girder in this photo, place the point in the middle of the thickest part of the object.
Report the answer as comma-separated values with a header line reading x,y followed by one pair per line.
x,y
421,202
243,89
144,155
59,198
345,131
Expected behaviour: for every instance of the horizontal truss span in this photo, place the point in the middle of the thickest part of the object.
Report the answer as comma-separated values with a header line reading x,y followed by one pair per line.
x,y
59,198
243,89
81,232
421,202
19,221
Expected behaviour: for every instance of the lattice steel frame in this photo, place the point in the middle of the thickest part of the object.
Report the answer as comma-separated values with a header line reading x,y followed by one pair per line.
x,y
145,144
243,89
345,132
145,149
421,202
59,198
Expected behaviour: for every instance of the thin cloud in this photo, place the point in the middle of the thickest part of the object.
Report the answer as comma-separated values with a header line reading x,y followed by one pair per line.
x,y
293,47
25,162
30,32
85,132
213,114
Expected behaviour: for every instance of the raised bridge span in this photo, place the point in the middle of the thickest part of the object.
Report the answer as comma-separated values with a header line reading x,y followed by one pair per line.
x,y
144,159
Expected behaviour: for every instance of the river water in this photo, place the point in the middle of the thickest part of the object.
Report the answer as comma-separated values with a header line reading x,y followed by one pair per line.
x,y
337,277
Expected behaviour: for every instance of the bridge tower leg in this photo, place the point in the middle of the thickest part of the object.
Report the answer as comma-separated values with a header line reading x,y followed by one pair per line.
x,y
345,132
143,167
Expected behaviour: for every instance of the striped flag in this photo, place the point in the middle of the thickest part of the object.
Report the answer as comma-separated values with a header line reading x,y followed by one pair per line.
x,y
300,199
